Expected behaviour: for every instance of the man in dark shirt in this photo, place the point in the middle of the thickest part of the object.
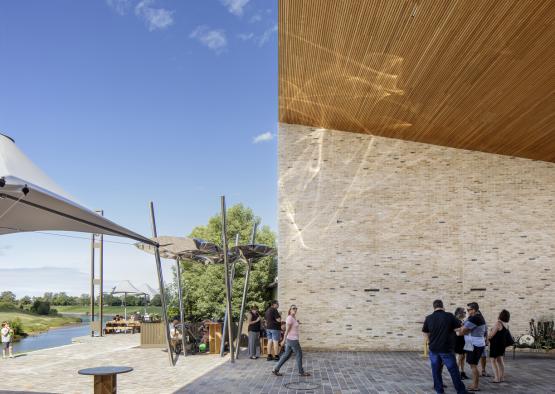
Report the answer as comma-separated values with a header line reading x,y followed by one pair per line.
x,y
439,329
273,330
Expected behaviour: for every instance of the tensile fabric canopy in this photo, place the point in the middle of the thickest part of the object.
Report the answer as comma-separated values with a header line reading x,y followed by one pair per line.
x,y
31,201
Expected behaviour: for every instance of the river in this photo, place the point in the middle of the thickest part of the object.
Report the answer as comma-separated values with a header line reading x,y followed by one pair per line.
x,y
55,336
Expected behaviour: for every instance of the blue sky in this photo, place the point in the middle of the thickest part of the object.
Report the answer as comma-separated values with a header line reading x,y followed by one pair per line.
x,y
126,101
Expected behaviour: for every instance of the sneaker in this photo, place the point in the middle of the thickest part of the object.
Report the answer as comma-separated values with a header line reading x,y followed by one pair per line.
x,y
270,358
463,376
276,358
277,373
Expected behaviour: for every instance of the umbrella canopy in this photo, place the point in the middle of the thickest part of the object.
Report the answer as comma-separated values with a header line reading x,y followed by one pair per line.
x,y
31,201
255,251
126,287
183,248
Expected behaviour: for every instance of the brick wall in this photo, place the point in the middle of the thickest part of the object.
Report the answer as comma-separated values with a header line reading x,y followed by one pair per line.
x,y
372,230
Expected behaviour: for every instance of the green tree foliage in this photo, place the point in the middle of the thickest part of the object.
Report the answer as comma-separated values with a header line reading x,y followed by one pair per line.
x,y
41,307
204,288
7,297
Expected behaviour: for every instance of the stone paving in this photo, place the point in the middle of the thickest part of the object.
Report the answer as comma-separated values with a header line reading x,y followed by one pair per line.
x,y
55,371
367,372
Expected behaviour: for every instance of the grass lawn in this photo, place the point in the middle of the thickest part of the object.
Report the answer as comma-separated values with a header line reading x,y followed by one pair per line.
x,y
108,310
34,324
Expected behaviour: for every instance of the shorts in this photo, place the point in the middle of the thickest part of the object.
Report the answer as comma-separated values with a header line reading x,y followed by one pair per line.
x,y
473,357
273,335
6,345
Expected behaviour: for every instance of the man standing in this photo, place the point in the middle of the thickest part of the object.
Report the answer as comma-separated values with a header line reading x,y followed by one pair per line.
x,y
474,329
439,329
273,330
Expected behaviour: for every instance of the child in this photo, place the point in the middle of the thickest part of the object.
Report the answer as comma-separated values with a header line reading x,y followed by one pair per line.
x,y
7,337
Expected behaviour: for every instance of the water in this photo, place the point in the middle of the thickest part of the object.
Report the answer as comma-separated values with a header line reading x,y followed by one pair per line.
x,y
56,336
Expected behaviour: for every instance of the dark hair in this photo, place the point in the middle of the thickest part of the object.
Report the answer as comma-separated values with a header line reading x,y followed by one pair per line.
x,y
504,316
473,305
254,307
274,302
438,304
459,312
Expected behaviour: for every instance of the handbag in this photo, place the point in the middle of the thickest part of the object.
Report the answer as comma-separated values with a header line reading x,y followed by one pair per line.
x,y
509,340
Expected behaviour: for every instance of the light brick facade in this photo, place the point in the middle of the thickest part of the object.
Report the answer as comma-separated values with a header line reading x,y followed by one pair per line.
x,y
372,230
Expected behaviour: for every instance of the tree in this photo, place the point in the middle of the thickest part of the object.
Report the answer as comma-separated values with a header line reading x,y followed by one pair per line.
x,y
24,301
156,300
41,307
204,289
7,297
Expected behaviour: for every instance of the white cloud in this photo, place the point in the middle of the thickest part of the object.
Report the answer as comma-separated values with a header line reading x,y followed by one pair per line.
x,y
235,6
214,39
246,36
267,136
263,39
120,6
155,18
255,18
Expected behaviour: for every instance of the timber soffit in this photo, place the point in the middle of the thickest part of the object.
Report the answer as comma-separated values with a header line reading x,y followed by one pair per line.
x,y
468,74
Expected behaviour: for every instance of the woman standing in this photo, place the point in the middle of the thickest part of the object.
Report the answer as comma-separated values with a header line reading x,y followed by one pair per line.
x,y
497,345
7,338
460,314
291,338
253,322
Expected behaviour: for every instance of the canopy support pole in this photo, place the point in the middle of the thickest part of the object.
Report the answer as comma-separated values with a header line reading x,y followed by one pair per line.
x,y
161,286
227,280
180,295
222,347
245,289
101,274
92,285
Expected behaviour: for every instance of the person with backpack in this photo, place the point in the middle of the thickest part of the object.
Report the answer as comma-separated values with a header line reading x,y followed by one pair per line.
x,y
498,342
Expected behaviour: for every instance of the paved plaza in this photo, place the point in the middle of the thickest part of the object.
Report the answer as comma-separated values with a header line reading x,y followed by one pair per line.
x,y
366,372
55,371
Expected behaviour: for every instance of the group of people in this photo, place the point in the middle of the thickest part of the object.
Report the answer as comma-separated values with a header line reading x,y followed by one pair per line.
x,y
7,335
469,338
274,325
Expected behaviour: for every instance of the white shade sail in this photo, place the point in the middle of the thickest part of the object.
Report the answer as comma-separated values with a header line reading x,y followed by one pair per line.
x,y
31,201
126,287
149,291
183,248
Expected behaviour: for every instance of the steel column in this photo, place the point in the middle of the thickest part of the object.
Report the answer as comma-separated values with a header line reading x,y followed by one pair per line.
x,y
161,285
92,285
222,347
227,280
245,289
180,295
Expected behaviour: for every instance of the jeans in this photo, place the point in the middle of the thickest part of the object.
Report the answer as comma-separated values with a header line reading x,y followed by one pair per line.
x,y
292,345
447,359
254,344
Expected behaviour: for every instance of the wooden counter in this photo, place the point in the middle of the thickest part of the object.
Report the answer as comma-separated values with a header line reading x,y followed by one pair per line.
x,y
153,335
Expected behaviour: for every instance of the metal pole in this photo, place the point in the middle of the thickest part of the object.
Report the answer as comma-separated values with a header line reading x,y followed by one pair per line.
x,y
227,280
161,285
101,291
92,285
245,289
222,347
180,295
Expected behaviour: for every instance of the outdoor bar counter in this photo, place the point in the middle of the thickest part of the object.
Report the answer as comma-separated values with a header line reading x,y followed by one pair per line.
x,y
153,334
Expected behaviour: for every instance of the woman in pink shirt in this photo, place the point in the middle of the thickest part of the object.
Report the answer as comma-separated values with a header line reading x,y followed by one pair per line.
x,y
291,338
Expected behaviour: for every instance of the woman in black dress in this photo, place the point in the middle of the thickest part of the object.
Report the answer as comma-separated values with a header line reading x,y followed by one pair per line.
x,y
460,313
497,345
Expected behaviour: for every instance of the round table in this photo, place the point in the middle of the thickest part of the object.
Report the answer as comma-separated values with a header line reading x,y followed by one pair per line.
x,y
105,378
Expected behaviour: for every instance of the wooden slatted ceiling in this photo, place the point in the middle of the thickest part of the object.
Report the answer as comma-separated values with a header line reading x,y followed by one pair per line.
x,y
472,74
